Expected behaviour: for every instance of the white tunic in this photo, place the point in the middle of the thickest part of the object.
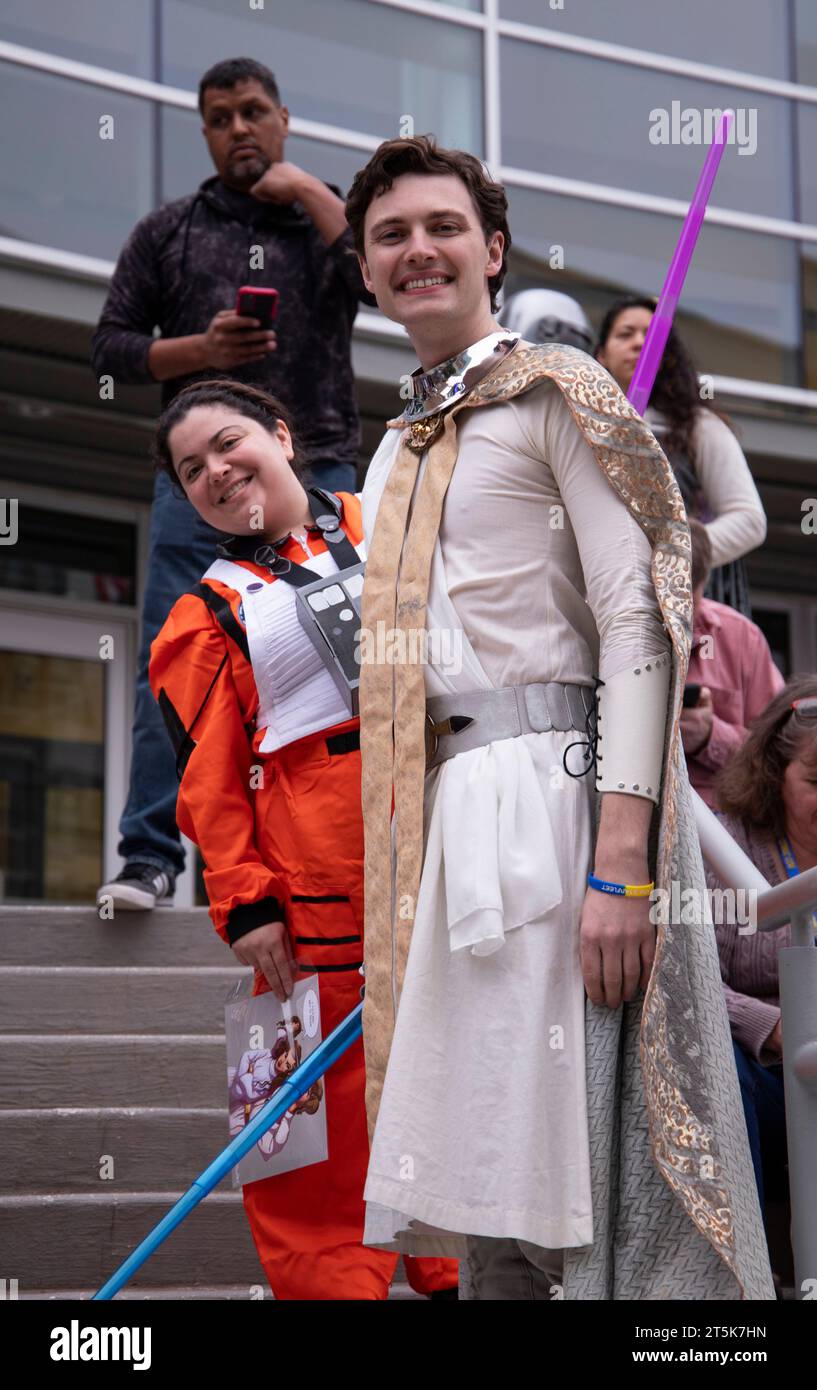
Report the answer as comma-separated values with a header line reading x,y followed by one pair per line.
x,y
482,1127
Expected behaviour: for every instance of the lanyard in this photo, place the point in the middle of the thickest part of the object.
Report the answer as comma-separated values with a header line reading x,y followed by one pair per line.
x,y
792,870
326,513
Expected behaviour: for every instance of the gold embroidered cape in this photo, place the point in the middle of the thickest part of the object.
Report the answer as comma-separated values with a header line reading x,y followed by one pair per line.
x,y
675,1207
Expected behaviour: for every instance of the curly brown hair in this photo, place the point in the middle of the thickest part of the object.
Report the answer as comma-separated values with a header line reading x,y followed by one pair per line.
x,y
251,401
420,154
750,785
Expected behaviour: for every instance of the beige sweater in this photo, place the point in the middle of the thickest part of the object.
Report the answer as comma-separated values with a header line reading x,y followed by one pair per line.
x,y
738,523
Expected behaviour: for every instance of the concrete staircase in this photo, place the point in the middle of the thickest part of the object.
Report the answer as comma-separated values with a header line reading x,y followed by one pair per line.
x,y
112,1087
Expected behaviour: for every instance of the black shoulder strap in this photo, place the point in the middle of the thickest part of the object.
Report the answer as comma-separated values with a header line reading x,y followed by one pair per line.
x,y
330,502
224,615
327,514
181,738
183,744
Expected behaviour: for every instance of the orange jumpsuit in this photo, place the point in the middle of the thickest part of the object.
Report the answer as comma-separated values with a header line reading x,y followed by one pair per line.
x,y
281,836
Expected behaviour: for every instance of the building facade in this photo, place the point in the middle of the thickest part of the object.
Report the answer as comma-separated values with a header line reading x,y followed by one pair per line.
x,y
592,115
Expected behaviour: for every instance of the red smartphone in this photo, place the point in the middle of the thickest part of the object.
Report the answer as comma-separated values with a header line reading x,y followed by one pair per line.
x,y
256,303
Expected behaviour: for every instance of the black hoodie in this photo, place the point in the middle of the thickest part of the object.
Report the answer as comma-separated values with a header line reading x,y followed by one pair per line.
x,y
185,261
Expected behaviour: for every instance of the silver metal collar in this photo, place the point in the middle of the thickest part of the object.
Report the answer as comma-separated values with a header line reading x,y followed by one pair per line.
x,y
433,391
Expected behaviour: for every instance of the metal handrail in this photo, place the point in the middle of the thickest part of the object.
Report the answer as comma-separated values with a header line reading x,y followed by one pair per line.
x,y
315,1065
792,901
776,904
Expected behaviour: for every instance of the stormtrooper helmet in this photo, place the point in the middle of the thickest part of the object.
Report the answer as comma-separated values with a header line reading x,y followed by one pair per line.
x,y
547,316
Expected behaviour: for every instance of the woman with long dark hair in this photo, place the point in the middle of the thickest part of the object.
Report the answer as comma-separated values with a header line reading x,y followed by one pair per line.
x,y
707,460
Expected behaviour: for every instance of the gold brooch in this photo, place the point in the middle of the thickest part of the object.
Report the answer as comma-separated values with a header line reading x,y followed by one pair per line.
x,y
420,434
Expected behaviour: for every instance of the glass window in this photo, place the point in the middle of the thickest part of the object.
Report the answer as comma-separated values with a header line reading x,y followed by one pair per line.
x,y
597,121
355,65
186,162
51,777
809,274
807,114
87,557
740,309
333,163
805,28
806,145
107,33
750,35
61,184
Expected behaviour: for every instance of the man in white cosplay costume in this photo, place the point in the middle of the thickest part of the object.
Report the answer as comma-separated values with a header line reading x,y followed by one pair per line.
x,y
521,504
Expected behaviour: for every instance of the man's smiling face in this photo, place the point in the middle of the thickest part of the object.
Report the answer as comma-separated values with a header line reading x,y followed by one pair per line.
x,y
425,253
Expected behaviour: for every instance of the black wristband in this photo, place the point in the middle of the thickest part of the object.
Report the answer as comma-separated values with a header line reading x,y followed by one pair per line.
x,y
247,916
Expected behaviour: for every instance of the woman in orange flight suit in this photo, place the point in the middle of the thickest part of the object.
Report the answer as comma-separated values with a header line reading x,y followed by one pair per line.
x,y
269,765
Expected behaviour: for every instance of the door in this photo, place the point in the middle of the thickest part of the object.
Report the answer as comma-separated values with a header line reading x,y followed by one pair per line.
x,y
65,697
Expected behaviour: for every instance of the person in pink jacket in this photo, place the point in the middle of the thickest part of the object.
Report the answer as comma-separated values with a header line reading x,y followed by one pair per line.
x,y
732,667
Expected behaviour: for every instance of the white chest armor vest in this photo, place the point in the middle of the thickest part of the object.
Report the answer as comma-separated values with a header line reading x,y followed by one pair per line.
x,y
296,694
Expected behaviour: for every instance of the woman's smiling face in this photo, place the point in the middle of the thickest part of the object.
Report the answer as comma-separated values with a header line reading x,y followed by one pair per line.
x,y
236,473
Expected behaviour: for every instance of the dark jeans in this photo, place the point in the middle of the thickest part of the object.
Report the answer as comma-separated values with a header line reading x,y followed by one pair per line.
x,y
182,547
503,1269
763,1105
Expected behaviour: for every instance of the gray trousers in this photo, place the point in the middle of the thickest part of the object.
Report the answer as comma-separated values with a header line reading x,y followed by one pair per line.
x,y
497,1269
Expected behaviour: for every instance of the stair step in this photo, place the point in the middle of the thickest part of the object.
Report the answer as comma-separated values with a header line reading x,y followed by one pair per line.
x,y
62,1150
107,1069
74,1243
184,1292
76,936
144,1083
215,1292
122,999
78,1240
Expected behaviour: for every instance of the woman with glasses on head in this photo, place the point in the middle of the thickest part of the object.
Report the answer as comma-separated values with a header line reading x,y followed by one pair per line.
x,y
768,798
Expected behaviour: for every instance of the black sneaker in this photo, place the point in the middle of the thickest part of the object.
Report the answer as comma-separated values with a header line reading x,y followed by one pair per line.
x,y
137,888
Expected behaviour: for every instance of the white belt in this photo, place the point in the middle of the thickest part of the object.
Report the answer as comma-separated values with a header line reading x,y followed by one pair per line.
x,y
458,723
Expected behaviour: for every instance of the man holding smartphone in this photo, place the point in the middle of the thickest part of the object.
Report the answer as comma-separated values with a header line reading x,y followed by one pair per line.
x,y
260,223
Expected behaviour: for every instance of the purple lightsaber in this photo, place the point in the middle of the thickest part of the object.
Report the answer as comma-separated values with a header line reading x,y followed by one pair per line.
x,y
651,353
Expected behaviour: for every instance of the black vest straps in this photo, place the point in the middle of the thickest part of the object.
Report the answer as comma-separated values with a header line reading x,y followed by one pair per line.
x,y
224,615
181,738
327,512
328,522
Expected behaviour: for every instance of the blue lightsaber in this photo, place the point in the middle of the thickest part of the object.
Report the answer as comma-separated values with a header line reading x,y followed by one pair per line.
x,y
296,1085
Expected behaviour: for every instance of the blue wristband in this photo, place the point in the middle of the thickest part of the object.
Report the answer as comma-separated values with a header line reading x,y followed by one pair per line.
x,y
620,890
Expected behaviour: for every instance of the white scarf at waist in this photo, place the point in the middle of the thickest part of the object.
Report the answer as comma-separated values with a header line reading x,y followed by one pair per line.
x,y
489,811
